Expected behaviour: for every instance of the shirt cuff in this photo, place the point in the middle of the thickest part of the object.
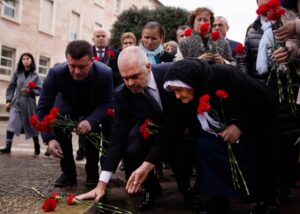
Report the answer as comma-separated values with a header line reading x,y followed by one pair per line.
x,y
105,176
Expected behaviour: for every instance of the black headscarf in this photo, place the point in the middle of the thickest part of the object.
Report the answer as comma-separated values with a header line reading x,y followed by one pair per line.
x,y
194,72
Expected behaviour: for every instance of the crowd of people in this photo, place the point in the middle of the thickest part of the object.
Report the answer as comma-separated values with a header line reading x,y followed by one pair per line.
x,y
204,102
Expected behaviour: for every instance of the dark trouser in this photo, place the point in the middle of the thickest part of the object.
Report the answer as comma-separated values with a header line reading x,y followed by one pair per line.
x,y
136,152
67,163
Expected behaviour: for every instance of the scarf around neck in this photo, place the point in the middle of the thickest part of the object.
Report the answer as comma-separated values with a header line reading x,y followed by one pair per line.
x,y
152,55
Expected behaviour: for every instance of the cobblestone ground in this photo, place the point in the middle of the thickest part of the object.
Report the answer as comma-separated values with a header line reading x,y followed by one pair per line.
x,y
20,171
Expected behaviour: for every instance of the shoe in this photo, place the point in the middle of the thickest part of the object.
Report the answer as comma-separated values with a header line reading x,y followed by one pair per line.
x,y
265,208
5,150
147,202
66,180
80,155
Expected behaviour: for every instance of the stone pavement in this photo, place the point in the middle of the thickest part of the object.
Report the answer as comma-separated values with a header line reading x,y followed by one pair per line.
x,y
21,170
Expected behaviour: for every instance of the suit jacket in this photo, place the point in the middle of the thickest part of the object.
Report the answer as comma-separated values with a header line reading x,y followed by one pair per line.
x,y
131,110
232,45
87,99
112,62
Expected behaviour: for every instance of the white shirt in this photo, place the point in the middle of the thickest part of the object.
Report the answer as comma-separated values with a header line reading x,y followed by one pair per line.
x,y
105,176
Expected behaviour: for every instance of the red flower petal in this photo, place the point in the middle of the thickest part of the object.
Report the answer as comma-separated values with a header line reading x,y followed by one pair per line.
x,y
222,94
188,32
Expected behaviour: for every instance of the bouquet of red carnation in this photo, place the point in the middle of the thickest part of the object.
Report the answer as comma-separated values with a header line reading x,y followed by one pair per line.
x,y
208,115
30,85
148,128
55,120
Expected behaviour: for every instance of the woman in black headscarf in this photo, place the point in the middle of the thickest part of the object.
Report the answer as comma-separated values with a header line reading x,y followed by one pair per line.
x,y
248,112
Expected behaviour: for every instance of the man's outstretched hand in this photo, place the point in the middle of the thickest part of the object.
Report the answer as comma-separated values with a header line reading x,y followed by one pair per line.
x,y
97,193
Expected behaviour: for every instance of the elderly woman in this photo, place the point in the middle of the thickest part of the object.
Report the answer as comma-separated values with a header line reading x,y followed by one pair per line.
x,y
200,45
246,121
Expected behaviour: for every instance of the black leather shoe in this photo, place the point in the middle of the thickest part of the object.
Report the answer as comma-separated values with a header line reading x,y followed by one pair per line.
x,y
265,208
5,150
66,180
147,202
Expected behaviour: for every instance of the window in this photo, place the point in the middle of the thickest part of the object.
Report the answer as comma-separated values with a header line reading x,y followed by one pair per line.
x,y
74,26
47,16
8,57
44,65
11,9
119,6
100,3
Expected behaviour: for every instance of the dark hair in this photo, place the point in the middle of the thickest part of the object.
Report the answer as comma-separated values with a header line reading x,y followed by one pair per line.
x,y
78,49
196,12
182,27
21,68
154,25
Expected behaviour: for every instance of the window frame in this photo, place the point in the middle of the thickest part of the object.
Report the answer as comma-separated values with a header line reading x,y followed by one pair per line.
x,y
42,75
79,25
13,62
42,28
18,11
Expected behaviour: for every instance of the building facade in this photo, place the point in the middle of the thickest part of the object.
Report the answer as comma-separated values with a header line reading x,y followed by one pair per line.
x,y
44,27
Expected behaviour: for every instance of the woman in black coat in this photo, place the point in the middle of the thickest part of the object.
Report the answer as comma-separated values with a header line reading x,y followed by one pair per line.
x,y
248,113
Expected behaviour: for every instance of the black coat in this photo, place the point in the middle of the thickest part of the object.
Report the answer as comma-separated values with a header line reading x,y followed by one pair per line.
x,y
132,109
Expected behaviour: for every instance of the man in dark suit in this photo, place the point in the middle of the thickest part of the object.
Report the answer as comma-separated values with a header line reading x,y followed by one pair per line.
x,y
221,25
81,88
132,107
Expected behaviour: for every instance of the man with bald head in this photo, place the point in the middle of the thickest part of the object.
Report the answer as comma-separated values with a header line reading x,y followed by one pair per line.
x,y
132,107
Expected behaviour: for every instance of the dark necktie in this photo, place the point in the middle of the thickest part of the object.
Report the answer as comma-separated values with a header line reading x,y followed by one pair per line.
x,y
100,52
152,101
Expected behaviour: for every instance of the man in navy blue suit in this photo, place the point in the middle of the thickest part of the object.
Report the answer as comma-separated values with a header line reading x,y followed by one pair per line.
x,y
82,89
221,25
132,107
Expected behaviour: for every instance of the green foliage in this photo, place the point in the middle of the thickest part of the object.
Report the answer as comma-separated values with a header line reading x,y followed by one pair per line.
x,y
134,19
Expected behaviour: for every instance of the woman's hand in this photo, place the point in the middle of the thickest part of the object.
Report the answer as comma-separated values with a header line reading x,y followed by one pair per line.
x,y
206,56
138,177
218,59
281,55
25,90
231,134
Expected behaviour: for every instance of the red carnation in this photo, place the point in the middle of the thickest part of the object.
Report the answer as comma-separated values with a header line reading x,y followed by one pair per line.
x,y
204,29
215,35
31,85
49,204
188,32
262,10
204,97
96,58
239,49
110,112
55,196
222,94
203,107
34,120
54,111
111,54
72,200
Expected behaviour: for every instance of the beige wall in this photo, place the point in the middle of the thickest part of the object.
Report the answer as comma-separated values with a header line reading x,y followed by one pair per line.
x,y
26,36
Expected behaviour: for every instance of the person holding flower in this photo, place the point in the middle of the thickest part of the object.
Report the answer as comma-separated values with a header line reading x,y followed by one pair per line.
x,y
21,93
221,105
81,89
201,44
